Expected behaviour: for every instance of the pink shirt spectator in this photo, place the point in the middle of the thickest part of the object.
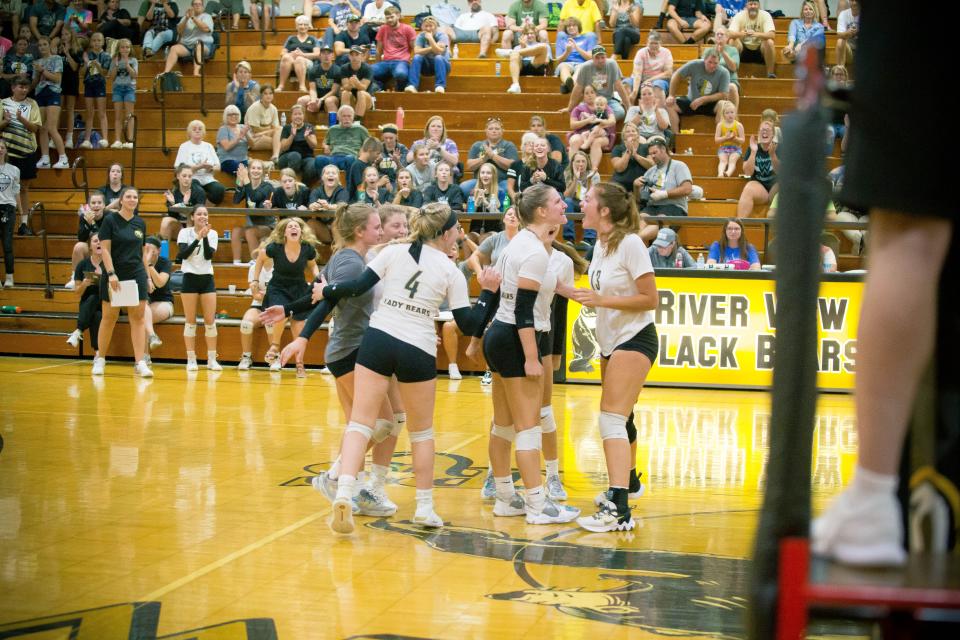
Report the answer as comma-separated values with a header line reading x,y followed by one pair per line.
x,y
396,41
647,65
583,108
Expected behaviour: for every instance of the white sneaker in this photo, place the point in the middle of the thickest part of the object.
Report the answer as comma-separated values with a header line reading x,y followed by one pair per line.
x,y
275,365
325,485
379,490
192,364
439,89
44,162
213,365
62,163
514,88
71,283
103,143
555,490
68,143
515,506
239,263
552,513
245,363
696,193
128,145
74,338
862,530
454,372
86,145
503,53
341,521
99,364
410,88
143,370
487,378
607,519
370,503
8,283
489,489
427,518
117,145
154,342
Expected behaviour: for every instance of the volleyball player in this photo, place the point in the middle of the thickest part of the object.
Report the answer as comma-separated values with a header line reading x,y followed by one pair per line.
x,y
196,245
623,289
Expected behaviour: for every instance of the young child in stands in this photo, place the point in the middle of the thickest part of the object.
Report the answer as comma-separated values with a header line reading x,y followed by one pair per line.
x,y
730,136
96,64
123,73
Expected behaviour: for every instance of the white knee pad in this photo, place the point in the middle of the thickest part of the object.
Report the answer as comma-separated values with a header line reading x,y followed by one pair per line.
x,y
547,422
613,426
504,433
189,330
529,439
246,327
210,330
356,427
396,428
382,430
421,436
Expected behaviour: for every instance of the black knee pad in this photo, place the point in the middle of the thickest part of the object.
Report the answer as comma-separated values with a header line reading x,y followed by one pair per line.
x,y
631,429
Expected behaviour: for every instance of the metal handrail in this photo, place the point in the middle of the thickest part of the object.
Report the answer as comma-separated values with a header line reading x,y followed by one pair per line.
x,y
132,140
160,96
81,163
203,80
48,289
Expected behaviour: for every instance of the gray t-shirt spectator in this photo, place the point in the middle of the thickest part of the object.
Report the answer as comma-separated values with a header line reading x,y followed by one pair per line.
x,y
494,245
352,314
51,64
123,74
239,152
504,148
734,54
670,262
674,174
192,34
422,179
703,83
604,80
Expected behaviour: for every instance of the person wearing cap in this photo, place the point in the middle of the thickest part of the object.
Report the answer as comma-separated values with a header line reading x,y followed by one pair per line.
x,y
475,25
392,155
529,58
709,82
669,182
159,305
323,84
339,13
243,90
752,31
586,11
687,14
431,54
349,39
395,45
665,250
604,74
341,146
356,83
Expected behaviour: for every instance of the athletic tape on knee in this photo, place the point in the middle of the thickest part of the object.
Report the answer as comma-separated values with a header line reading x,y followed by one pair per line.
x,y
210,330
356,427
547,422
421,436
189,330
612,426
382,430
631,429
246,327
504,433
529,439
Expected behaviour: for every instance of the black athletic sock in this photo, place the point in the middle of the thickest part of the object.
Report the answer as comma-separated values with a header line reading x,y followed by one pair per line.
x,y
690,41
635,480
618,496
631,429
660,20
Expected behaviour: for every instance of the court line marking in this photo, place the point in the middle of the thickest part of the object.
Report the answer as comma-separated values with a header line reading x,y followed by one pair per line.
x,y
262,542
49,366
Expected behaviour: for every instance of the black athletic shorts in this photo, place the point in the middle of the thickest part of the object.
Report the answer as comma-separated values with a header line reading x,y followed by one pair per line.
x,y
527,68
503,350
344,365
544,344
646,342
706,109
751,56
198,283
558,318
390,356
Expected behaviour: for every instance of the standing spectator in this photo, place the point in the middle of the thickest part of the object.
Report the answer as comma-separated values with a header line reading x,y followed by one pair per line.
x,y
573,49
87,275
494,150
264,121
579,176
709,83
520,14
529,58
752,32
300,52
395,45
734,248
339,12
323,84
233,141
77,20
406,194
431,56
96,64
116,23
669,182
298,140
558,149
158,19
19,124
444,189
243,90
350,38
200,156
159,307
196,245
729,58
438,145
665,250
342,143
48,70
629,159
806,28
195,29
72,54
254,190
593,126
586,11
186,192
650,119
625,18
422,170
761,163
848,27
729,135
687,14
46,19
356,79
605,77
123,73
392,154
9,195
475,25
653,64
541,168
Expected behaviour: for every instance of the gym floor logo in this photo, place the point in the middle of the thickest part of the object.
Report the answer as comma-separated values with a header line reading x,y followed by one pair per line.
x,y
458,471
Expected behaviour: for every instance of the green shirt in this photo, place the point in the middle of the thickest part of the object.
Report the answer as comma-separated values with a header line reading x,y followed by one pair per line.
x,y
535,11
346,140
734,55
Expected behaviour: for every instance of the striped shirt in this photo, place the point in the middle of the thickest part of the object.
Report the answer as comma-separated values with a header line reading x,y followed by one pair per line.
x,y
20,141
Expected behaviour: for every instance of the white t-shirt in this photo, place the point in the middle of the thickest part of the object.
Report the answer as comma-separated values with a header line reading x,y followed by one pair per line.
x,y
9,184
524,257
559,270
469,21
846,19
195,262
413,292
616,275
377,14
194,154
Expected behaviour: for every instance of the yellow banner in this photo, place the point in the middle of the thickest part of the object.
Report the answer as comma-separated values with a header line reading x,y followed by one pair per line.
x,y
717,332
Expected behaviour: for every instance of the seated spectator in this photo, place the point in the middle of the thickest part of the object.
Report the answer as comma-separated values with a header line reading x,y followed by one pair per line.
x,y
579,177
605,78
300,51
520,14
368,155
624,19
158,20
393,153
729,59
351,38
485,199
159,305
761,164
593,127
342,143
251,317
444,189
406,193
116,23
573,49
339,13
771,116
46,19
253,190
323,84
848,27
290,194
846,213
807,29
77,20
493,149
652,65
186,192
629,159
668,182
373,14
422,169
431,56
439,146
687,14
586,11
243,90
370,190
725,10
267,10
264,121
202,158
395,45
475,25
356,88
90,215
529,58
541,168
734,248
87,274
709,82
752,32
666,250
194,32
326,197
650,119
558,148
729,135
298,140
233,141
114,187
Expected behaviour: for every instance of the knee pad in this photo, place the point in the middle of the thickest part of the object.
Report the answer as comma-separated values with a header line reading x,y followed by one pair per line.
x,y
529,439
631,429
210,330
613,426
421,436
189,330
246,327
504,433
382,430
396,428
356,427
547,422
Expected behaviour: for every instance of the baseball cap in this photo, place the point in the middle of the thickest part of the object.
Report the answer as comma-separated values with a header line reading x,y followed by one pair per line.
x,y
353,18
599,50
358,49
325,47
665,237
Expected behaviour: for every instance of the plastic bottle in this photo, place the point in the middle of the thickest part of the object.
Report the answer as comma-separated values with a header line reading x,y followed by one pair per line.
x,y
497,68
165,249
506,202
678,263
471,205
399,118
332,118
223,314
283,119
456,51
9,308
700,262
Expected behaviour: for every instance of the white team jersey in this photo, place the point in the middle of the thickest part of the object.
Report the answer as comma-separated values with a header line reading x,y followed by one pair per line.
x,y
524,257
378,288
195,263
616,275
412,293
559,270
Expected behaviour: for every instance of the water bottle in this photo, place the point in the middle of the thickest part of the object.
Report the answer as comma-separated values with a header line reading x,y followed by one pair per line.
x,y
678,263
399,121
9,308
373,53
332,118
506,202
471,205
456,51
497,68
283,119
700,263
165,249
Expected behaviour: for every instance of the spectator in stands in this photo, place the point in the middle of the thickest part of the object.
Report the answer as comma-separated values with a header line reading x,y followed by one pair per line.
x,y
729,135
339,12
342,142
725,10
87,274
540,168
370,191
114,186
316,8
356,89
290,194
323,84
629,159
439,146
803,30
422,169
267,10
264,121
326,197
771,116
529,58
96,64
123,73
625,16
605,77
579,177
195,28
158,19
592,126
77,20
475,25
116,23
253,190
393,153
847,213
485,194
90,216
492,149
558,148
668,182
653,64
406,194
186,192
520,14
243,90
159,307
395,46
233,8
352,37
17,61
665,250
373,16
233,141
752,32
709,83
444,189
761,164
19,123
848,27
300,51
9,194
734,248
196,245
368,155
730,60
687,14
72,53
48,70
202,158
10,13
488,253
298,140
588,12
251,317
431,56
650,119
25,32
573,49
46,19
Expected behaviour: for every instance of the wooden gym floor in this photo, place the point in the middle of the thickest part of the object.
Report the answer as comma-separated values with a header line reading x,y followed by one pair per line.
x,y
180,507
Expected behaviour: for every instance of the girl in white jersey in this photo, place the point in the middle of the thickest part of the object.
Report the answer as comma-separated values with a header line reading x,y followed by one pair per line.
x,y
624,292
196,245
